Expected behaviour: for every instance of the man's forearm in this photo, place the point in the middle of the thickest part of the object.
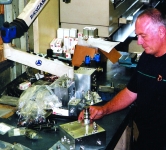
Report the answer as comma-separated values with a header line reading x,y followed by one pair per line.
x,y
123,99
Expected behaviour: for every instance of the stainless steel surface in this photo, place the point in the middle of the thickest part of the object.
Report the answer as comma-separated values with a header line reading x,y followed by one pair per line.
x,y
109,89
75,106
78,130
85,80
89,32
86,116
126,29
90,136
64,89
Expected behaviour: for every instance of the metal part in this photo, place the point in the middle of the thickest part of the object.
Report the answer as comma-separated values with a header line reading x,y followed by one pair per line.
x,y
95,127
85,79
83,136
32,134
128,59
90,32
73,107
89,95
64,89
47,126
86,116
104,88
145,1
117,2
91,98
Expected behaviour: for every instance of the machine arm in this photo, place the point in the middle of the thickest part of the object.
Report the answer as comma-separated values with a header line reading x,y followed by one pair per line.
x,y
17,28
13,30
21,24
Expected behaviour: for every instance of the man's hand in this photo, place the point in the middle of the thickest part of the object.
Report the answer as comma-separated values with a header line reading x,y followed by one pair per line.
x,y
96,112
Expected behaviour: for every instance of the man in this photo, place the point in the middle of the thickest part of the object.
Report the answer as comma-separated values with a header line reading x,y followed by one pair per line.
x,y
147,86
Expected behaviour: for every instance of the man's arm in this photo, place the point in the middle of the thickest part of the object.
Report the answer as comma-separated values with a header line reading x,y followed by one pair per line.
x,y
123,99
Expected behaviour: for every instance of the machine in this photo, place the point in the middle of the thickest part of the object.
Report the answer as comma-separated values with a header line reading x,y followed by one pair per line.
x,y
113,18
21,24
17,28
74,134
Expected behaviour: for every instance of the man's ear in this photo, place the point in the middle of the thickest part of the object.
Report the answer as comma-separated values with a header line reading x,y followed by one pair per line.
x,y
162,31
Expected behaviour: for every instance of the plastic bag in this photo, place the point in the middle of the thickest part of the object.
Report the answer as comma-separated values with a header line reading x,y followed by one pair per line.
x,y
42,94
34,102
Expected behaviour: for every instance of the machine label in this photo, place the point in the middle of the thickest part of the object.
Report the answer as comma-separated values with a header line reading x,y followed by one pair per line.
x,y
38,62
37,9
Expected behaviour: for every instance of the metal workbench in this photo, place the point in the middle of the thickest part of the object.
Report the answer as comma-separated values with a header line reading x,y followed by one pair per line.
x,y
114,124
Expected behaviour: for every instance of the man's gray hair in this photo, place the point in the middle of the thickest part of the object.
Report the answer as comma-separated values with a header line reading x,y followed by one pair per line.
x,y
156,16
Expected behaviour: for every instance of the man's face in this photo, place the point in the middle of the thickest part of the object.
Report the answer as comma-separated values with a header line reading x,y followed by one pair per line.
x,y
148,36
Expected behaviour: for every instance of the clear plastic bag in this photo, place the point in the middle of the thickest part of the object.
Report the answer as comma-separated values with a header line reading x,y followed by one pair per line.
x,y
42,94
34,102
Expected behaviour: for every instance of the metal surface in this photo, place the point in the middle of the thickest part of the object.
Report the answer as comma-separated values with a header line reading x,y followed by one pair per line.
x,y
126,29
75,106
85,80
86,116
113,124
64,89
81,135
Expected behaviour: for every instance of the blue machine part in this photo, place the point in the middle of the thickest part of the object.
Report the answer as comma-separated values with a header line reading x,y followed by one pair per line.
x,y
97,57
13,30
87,60
8,33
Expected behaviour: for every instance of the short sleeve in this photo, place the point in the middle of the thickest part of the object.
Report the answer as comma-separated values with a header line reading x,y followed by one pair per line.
x,y
132,84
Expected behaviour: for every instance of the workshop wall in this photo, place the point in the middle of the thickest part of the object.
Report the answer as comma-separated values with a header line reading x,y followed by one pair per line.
x,y
45,26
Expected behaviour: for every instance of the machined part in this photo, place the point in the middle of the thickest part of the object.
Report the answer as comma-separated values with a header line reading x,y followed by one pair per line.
x,y
86,116
83,136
